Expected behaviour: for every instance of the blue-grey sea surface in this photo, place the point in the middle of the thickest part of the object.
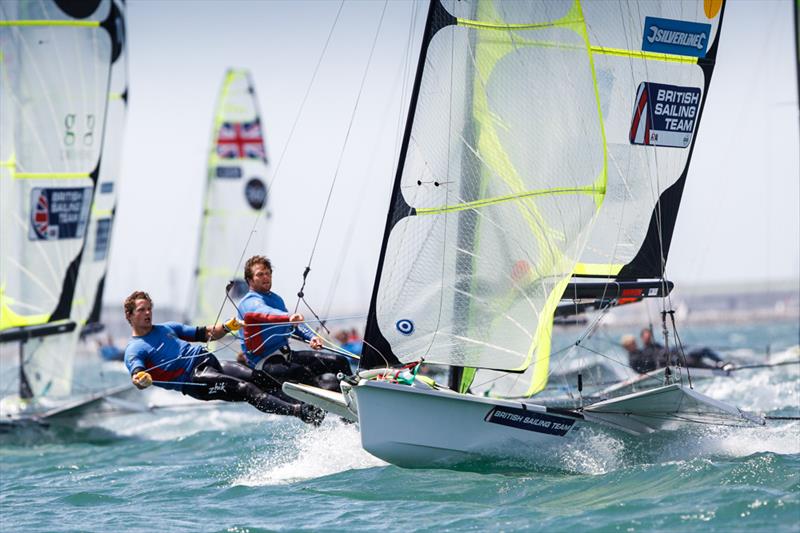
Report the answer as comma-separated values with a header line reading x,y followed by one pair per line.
x,y
191,466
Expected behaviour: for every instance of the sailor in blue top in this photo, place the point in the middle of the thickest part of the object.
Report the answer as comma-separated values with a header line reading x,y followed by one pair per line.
x,y
267,328
162,355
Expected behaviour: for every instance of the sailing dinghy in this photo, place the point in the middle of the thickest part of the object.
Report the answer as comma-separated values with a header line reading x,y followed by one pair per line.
x,y
544,156
55,71
235,194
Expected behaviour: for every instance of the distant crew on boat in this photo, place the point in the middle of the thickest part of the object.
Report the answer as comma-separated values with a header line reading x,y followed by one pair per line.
x,y
653,355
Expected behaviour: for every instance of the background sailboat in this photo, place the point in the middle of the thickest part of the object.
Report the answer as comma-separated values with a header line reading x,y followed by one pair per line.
x,y
87,305
55,78
236,194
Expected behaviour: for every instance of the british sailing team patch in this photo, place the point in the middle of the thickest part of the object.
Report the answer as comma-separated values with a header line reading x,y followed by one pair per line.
x,y
664,115
528,420
59,213
678,37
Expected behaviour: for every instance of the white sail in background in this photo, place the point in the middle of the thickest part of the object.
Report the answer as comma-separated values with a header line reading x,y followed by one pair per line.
x,y
236,194
94,261
54,71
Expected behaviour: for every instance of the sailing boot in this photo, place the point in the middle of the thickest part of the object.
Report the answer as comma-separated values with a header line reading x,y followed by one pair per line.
x,y
310,414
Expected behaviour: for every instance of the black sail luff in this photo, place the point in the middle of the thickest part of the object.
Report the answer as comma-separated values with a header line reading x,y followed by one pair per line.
x,y
376,351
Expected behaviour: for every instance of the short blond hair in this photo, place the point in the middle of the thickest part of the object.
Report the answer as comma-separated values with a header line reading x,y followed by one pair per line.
x,y
627,339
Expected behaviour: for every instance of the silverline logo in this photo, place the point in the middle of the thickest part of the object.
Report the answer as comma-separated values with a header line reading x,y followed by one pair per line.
x,y
680,38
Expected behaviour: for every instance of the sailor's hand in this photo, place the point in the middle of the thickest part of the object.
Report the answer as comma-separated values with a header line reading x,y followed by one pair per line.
x,y
234,324
296,317
315,343
142,380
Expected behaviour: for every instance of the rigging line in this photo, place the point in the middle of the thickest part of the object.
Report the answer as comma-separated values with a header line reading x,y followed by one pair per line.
x,y
351,226
377,351
341,153
306,321
319,320
768,365
275,174
605,356
404,73
681,352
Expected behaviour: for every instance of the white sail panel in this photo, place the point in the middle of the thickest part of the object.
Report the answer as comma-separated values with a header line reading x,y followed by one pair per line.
x,y
639,173
54,81
94,260
504,173
236,193
48,364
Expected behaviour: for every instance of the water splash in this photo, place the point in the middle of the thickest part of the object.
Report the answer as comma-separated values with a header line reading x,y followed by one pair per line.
x,y
308,453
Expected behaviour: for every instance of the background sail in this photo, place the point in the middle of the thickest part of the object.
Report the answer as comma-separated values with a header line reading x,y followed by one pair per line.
x,y
55,74
236,192
523,138
642,87
94,261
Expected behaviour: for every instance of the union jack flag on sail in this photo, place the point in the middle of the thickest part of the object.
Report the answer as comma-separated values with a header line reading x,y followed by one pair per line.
x,y
240,140
41,216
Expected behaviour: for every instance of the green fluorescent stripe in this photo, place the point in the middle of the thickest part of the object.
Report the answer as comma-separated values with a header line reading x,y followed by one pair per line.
x,y
639,54
223,272
219,118
505,27
672,58
597,269
78,23
102,212
500,199
584,32
49,175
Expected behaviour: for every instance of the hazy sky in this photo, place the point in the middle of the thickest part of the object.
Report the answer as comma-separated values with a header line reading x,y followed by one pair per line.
x,y
739,220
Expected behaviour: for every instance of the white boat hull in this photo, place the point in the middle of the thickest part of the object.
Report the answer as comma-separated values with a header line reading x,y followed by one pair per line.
x,y
419,427
416,427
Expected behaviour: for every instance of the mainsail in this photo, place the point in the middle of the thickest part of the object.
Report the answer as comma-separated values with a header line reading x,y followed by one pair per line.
x,y
503,170
236,193
55,66
544,140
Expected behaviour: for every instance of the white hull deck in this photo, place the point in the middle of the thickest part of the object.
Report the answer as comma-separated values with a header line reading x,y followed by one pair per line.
x,y
15,411
415,427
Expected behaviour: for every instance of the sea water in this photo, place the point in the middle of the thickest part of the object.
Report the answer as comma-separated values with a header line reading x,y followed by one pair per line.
x,y
190,466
